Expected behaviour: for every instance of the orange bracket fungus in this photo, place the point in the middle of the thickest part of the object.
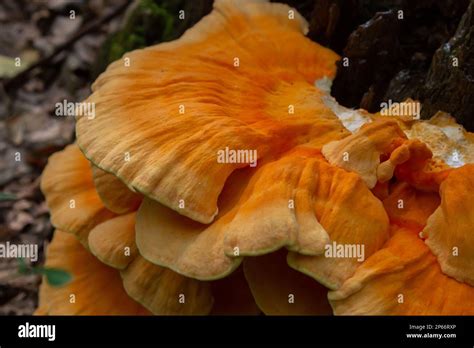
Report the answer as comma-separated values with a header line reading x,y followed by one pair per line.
x,y
217,178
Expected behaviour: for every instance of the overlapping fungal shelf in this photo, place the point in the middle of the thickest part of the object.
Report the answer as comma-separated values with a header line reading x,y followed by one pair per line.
x,y
315,209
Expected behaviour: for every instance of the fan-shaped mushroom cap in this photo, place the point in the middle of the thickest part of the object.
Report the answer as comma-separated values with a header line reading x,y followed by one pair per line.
x,y
343,205
110,233
165,292
450,230
113,241
403,278
196,250
73,202
115,195
109,241
279,206
280,290
160,121
90,278
212,251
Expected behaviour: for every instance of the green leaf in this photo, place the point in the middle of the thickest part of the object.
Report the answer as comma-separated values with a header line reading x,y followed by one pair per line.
x,y
56,277
23,267
7,196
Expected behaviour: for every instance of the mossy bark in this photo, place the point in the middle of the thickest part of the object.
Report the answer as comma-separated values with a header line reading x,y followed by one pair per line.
x,y
150,22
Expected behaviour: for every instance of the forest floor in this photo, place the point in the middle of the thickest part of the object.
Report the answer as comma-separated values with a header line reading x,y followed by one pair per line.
x,y
29,131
